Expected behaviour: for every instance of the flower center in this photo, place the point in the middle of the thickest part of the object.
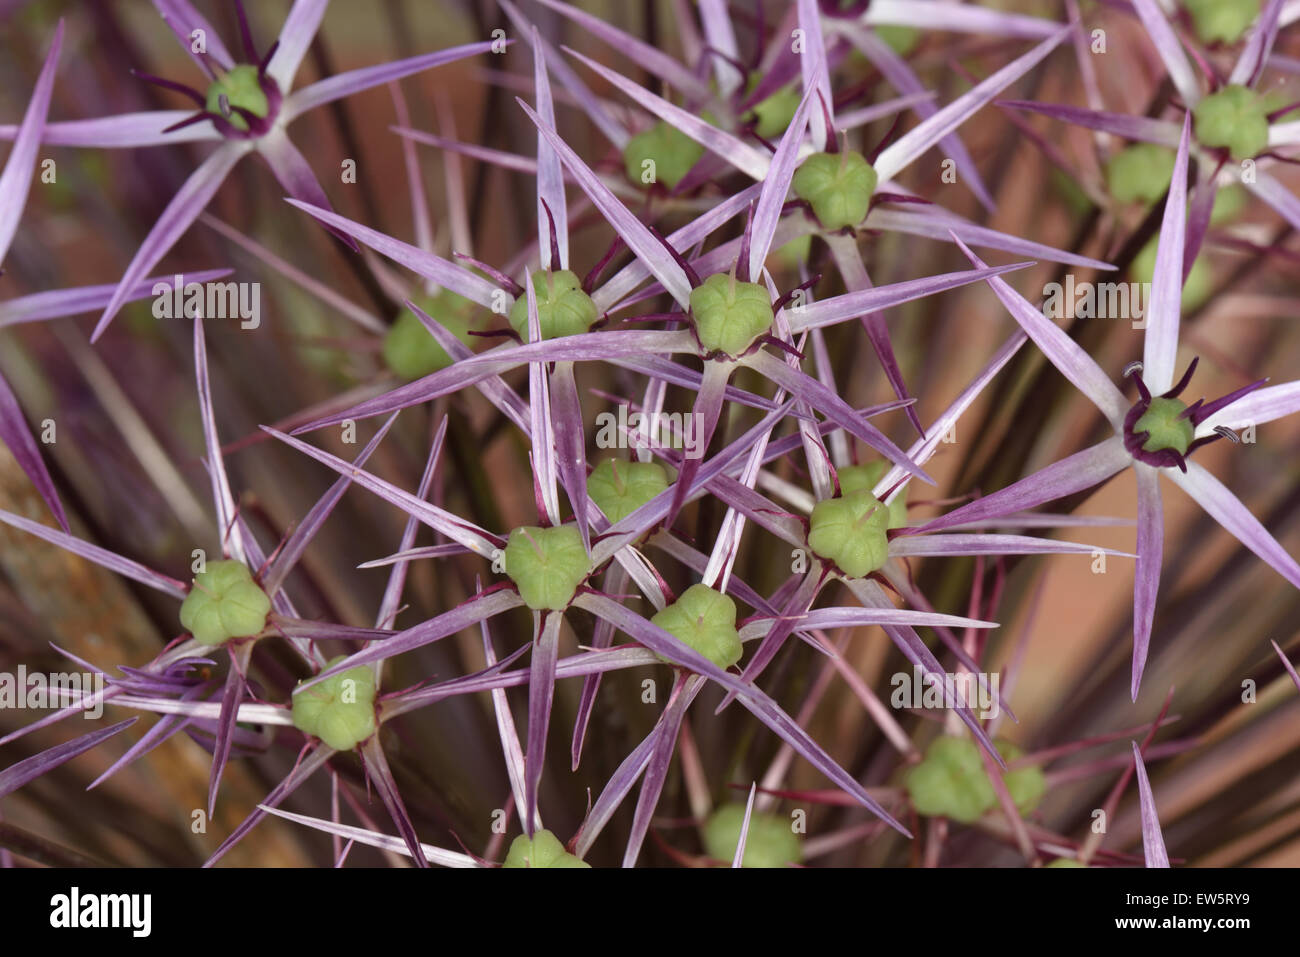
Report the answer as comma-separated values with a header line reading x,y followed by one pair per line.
x,y
411,351
952,781
563,308
838,186
851,532
339,710
1222,21
224,603
1235,118
547,564
705,620
543,849
620,488
661,154
1166,426
729,314
1140,172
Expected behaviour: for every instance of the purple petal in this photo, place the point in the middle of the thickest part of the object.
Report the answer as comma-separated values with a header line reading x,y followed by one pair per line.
x,y
82,299
958,18
1290,668
541,695
1166,299
1153,843
1170,50
15,434
173,222
183,20
570,444
1146,575
372,839
16,179
230,698
354,81
1260,406
656,772
718,31
1285,203
16,775
816,74
296,34
776,186
550,173
988,544
739,857
1250,64
378,773
125,131
1226,509
293,172
222,499
1141,128
1064,353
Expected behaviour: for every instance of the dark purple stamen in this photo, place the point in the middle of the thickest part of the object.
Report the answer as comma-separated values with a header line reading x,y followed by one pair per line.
x,y
832,145
785,299
189,91
262,64
589,280
742,260
885,140
245,34
771,340
504,281
1182,383
555,239
691,274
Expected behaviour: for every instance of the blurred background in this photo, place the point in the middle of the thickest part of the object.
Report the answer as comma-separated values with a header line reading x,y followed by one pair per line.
x,y
127,455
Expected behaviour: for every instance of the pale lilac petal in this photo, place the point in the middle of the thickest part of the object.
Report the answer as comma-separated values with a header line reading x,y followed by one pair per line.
x,y
354,81
907,148
125,131
642,54
776,186
231,696
1226,509
295,38
570,451
656,771
989,544
1286,663
738,153
1170,50
1068,357
100,556
294,173
436,855
1250,64
1080,471
869,114
541,422
435,268
541,695
1166,301
716,20
850,617
638,237
1153,843
379,774
1255,408
16,179
816,74
73,302
739,857
850,305
550,172
222,499
1140,128
1146,575
173,222
16,775
511,749
958,18
183,20
18,438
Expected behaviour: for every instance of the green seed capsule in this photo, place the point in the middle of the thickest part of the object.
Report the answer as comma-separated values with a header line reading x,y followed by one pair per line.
x,y
1140,173
838,186
542,850
1235,117
242,90
705,620
224,603
856,478
1199,284
730,315
661,154
1167,430
548,565
1222,21
620,488
563,309
850,531
411,351
952,782
769,842
771,117
339,710
902,40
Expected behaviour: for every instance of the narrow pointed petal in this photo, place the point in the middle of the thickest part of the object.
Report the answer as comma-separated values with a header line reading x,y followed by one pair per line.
x,y
957,18
541,695
907,148
1153,842
550,172
230,699
16,775
125,131
1226,509
511,749
1165,305
656,772
1064,353
1080,471
1256,408
1255,54
436,855
570,452
16,180
354,81
222,498
295,38
392,600
716,21
81,299
183,20
541,422
1286,663
776,186
1146,576
738,859
294,173
173,222
816,75
637,236
1170,49
990,544
18,438
707,411
1141,128
379,774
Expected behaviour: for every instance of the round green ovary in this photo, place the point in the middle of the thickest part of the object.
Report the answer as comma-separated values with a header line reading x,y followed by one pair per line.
x,y
241,89
1140,173
1197,288
952,781
563,309
705,620
770,841
730,315
902,40
224,603
856,478
548,565
1236,118
339,710
620,488
772,116
1222,21
1168,431
542,850
411,351
838,186
850,531
672,152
